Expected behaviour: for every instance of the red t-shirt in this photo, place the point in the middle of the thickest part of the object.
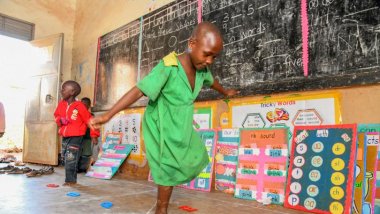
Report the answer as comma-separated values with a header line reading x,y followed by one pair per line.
x,y
72,119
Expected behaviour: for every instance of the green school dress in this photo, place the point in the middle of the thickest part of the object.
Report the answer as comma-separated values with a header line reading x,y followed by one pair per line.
x,y
174,150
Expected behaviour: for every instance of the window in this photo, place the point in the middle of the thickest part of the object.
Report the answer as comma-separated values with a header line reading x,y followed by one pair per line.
x,y
16,28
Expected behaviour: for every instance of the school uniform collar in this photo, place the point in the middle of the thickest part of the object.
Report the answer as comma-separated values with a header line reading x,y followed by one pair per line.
x,y
171,59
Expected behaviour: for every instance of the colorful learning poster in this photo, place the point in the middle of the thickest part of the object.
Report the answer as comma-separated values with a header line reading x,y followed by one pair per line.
x,y
203,181
226,158
262,166
374,128
321,169
372,142
290,111
111,159
128,123
203,116
360,171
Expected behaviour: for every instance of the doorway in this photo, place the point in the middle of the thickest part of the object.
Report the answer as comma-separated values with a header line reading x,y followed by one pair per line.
x,y
14,67
29,79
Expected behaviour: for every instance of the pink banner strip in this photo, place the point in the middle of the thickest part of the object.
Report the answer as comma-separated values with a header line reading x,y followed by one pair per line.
x,y
226,165
224,184
221,145
305,36
98,175
108,164
114,155
199,11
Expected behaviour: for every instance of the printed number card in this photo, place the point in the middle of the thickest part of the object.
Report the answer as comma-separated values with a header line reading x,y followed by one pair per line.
x,y
203,181
226,158
262,162
321,169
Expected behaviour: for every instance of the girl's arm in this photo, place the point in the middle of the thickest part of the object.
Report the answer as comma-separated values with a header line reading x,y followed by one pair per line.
x,y
226,92
124,102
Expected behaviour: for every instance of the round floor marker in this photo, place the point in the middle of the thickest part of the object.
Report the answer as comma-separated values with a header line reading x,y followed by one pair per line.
x,y
106,204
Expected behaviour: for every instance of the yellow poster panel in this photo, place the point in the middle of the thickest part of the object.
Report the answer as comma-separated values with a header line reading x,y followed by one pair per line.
x,y
204,116
129,123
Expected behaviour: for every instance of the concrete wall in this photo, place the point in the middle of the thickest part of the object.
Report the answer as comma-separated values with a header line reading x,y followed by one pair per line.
x,y
50,17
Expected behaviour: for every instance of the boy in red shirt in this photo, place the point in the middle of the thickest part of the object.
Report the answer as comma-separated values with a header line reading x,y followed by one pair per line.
x,y
72,117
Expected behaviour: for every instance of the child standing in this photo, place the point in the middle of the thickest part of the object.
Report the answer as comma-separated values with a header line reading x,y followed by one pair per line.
x,y
174,150
88,142
72,117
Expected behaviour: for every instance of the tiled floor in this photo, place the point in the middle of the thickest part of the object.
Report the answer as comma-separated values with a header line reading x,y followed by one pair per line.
x,y
19,194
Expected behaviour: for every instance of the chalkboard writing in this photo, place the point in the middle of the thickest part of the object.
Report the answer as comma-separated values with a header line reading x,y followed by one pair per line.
x,y
262,45
117,64
165,30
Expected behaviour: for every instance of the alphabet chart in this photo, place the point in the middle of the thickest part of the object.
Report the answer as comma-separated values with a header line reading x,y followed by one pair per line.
x,y
321,169
226,160
263,156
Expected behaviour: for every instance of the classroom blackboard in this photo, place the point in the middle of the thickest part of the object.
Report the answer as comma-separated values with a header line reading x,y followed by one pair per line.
x,y
117,65
129,53
165,30
262,44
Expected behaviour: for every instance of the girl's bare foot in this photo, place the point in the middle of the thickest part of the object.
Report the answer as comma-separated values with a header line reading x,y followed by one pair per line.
x,y
69,184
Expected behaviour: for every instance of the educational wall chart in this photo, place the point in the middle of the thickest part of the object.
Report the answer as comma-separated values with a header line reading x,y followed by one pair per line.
x,y
321,169
203,181
203,116
226,158
374,128
360,171
129,123
262,164
111,159
321,109
372,143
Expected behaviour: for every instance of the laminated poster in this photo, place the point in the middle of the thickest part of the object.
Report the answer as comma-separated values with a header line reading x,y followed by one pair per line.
x,y
109,162
226,159
321,169
262,164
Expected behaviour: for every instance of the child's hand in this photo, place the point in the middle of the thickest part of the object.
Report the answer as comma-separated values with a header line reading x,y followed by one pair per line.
x,y
64,121
96,122
231,92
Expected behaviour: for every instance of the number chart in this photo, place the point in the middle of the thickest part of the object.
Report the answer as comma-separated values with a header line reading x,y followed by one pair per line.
x,y
321,169
263,156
